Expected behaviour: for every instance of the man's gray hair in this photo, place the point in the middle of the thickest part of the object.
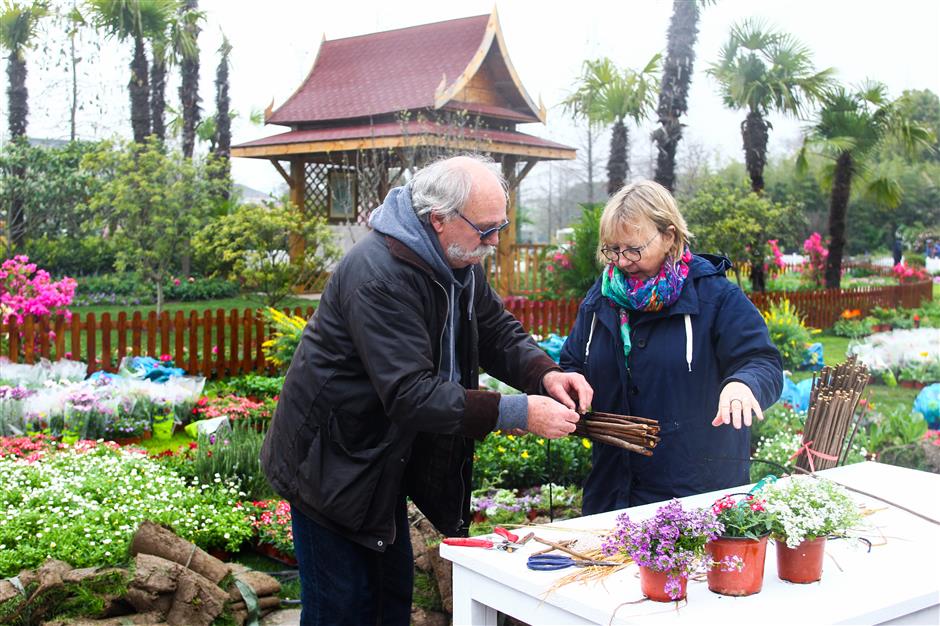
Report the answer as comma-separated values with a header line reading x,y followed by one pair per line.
x,y
443,186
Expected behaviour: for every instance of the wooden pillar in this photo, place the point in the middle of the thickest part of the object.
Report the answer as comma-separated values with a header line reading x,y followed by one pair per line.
x,y
507,238
297,245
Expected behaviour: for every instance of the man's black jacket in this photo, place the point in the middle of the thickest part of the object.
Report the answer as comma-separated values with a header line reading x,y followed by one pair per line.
x,y
363,417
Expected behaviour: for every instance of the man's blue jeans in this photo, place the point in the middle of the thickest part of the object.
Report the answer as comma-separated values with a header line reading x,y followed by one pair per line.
x,y
342,582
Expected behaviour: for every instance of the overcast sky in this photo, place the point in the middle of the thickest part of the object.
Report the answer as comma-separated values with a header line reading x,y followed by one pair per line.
x,y
275,43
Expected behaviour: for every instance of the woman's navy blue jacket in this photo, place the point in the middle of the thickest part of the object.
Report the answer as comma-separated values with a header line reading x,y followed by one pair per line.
x,y
681,359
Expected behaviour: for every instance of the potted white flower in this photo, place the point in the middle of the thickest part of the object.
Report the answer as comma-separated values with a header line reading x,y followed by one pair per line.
x,y
806,510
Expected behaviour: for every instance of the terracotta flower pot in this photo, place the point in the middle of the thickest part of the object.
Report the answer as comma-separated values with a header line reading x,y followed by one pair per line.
x,y
802,564
653,585
271,552
747,581
127,441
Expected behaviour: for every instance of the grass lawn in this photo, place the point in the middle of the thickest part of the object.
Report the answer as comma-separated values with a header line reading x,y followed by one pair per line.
x,y
881,396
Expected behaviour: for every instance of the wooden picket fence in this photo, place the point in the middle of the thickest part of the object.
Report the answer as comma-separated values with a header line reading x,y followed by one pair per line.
x,y
222,343
822,308
214,344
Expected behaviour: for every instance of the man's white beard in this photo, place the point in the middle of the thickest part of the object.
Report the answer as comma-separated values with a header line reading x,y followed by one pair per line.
x,y
457,254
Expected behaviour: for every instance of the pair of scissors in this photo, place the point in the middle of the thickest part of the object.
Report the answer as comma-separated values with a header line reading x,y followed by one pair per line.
x,y
549,562
510,541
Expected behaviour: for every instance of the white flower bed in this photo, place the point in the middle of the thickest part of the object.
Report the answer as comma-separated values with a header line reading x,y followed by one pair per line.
x,y
898,349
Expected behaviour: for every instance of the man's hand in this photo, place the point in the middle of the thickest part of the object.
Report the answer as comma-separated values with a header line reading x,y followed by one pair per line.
x,y
568,387
736,401
550,419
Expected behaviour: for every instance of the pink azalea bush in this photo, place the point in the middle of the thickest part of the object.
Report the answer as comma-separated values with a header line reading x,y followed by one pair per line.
x,y
813,246
910,274
778,255
27,290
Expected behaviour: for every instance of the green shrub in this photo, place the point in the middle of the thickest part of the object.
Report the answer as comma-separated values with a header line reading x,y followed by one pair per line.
x,y
74,257
571,272
787,332
852,328
898,427
777,419
520,461
250,385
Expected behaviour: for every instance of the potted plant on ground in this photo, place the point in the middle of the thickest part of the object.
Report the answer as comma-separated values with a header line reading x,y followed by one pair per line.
x,y
667,547
271,520
747,524
805,511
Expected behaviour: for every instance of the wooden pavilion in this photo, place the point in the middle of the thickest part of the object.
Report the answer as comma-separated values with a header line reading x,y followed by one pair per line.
x,y
376,107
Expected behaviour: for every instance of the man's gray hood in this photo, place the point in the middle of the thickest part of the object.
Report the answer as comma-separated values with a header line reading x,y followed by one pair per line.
x,y
396,218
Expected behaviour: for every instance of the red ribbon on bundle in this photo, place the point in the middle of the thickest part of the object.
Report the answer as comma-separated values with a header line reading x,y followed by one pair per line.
x,y
810,453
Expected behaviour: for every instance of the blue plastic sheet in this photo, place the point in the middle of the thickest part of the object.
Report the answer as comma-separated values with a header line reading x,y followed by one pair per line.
x,y
552,346
927,403
796,395
813,358
149,368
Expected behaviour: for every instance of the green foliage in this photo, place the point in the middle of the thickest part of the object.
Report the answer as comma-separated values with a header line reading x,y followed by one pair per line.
x,y
898,427
251,385
852,328
787,332
735,222
777,418
77,256
515,462
54,191
573,271
250,245
159,199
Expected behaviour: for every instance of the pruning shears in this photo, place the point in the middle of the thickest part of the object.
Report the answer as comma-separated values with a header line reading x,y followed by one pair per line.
x,y
510,541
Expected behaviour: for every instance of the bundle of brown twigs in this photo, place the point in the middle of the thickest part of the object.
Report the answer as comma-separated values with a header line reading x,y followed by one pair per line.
x,y
636,434
832,402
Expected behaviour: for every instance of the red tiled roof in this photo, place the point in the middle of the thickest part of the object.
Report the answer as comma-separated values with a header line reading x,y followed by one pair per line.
x,y
384,72
395,129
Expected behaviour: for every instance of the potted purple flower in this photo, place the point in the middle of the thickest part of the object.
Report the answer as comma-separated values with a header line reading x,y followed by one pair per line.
x,y
667,547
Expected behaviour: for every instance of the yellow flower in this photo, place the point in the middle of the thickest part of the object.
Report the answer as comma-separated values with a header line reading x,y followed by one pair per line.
x,y
586,443
541,441
511,437
525,454
925,354
500,449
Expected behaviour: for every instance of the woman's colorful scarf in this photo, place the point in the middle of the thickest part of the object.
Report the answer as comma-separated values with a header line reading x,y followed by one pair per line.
x,y
654,294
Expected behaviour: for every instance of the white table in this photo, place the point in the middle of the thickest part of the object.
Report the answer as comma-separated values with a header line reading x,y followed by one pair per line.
x,y
898,580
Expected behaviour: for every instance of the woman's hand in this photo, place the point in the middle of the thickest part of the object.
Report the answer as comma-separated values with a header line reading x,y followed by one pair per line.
x,y
736,401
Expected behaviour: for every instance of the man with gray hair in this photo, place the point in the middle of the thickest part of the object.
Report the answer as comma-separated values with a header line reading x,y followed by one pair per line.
x,y
381,402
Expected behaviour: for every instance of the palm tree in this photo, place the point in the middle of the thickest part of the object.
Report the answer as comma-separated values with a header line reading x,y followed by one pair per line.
x,y
762,70
18,24
169,48
189,74
851,127
137,20
610,96
674,90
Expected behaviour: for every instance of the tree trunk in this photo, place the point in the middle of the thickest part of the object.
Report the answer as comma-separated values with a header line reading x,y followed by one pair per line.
x,y
838,209
189,88
754,132
18,102
618,167
158,96
223,122
139,88
73,107
590,164
673,94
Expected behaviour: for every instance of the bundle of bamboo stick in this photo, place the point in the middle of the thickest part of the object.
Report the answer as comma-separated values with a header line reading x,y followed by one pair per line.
x,y
832,404
636,434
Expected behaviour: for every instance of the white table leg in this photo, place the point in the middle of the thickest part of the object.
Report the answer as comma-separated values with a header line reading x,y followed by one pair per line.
x,y
467,610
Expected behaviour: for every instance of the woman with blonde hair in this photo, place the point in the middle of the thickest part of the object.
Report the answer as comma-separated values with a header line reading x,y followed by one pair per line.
x,y
664,334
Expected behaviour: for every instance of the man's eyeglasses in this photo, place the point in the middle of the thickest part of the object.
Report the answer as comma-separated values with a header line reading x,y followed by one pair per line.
x,y
613,253
489,231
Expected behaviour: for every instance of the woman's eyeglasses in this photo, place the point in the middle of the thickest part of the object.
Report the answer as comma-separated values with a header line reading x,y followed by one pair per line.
x,y
613,253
